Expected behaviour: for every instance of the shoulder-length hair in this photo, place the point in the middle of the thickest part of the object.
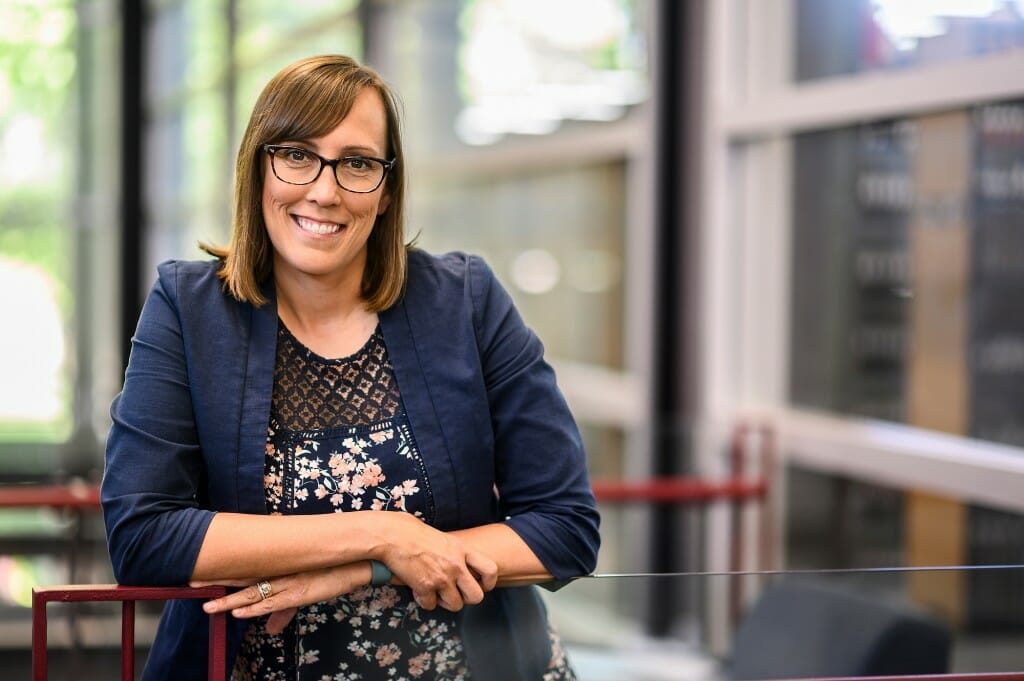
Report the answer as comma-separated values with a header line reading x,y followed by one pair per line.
x,y
305,100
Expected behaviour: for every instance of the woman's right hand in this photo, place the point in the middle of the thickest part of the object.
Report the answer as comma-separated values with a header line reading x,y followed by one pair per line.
x,y
440,569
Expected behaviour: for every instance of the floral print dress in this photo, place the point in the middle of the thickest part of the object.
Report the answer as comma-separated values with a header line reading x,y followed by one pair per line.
x,y
339,441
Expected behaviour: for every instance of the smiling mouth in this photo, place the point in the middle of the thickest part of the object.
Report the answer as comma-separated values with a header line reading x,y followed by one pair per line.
x,y
315,226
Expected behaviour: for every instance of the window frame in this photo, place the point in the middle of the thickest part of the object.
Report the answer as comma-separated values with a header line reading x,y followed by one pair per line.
x,y
751,113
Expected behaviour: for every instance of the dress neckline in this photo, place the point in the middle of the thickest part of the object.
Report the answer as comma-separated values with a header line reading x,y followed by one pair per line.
x,y
311,354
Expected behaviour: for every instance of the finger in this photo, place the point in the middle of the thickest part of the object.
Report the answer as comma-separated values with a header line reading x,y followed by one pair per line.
x,y
425,599
485,569
469,589
247,596
450,598
277,621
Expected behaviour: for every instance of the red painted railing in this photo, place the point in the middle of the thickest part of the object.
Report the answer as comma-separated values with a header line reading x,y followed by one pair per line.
x,y
74,496
677,490
127,595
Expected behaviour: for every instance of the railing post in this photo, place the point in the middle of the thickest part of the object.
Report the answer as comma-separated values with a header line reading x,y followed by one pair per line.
x,y
38,637
127,640
218,647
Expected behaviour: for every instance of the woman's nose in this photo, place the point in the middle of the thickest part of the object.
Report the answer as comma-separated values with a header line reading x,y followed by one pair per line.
x,y
324,190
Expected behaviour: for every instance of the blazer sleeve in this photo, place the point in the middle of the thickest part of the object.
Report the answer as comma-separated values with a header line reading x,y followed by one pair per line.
x,y
541,474
154,464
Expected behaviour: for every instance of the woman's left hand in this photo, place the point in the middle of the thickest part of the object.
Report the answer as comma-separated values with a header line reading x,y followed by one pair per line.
x,y
289,592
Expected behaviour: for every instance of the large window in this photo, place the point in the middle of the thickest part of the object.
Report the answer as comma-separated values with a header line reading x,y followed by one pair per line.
x,y
38,78
59,358
859,212
906,234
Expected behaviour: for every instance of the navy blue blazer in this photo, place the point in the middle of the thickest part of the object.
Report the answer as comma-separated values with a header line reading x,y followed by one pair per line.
x,y
497,440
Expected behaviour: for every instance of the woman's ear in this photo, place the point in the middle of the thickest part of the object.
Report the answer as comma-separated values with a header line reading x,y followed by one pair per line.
x,y
385,201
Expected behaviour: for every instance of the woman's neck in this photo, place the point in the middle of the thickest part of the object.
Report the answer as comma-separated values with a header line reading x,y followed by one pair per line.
x,y
330,320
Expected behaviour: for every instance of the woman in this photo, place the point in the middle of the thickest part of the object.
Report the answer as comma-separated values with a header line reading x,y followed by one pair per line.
x,y
317,372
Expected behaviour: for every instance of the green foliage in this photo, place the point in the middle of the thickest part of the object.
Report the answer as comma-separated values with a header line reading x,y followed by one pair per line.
x,y
37,69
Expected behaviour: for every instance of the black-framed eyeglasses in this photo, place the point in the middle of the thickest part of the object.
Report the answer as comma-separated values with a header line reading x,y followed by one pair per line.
x,y
357,174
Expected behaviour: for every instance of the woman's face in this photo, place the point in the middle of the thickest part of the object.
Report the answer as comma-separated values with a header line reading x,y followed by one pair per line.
x,y
320,230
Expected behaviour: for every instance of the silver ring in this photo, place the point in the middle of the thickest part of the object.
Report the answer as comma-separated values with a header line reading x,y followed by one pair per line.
x,y
263,586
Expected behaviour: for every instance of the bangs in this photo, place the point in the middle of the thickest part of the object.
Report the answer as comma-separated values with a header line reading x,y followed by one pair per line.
x,y
310,103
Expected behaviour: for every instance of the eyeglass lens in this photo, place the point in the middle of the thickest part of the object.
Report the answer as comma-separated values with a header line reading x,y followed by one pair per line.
x,y
355,173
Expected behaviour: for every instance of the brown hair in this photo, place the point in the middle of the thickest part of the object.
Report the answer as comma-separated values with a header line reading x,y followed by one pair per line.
x,y
305,100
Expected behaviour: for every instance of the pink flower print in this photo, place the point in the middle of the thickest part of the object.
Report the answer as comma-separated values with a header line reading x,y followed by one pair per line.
x,y
302,494
387,597
409,487
309,657
337,499
387,654
361,594
357,503
321,492
270,449
372,475
341,464
377,505
314,473
381,436
418,664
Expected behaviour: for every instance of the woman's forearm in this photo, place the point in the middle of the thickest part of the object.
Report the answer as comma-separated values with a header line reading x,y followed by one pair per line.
x,y
240,546
438,567
517,563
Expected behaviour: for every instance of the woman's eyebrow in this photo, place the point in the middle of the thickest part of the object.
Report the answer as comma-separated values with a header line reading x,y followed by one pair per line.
x,y
348,150
359,150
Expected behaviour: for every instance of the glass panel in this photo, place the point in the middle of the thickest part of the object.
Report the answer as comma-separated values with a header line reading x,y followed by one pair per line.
x,y
907,253
798,625
554,238
835,522
525,67
262,24
38,136
849,36
475,71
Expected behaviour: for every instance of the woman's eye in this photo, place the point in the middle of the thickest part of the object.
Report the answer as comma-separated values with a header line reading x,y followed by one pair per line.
x,y
357,163
296,155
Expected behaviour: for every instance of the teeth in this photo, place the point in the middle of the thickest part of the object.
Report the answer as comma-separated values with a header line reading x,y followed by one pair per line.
x,y
317,227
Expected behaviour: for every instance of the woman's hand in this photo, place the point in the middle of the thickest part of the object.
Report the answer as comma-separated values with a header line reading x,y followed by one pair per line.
x,y
440,568
289,592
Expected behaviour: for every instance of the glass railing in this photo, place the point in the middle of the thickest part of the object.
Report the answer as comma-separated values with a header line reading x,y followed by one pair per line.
x,y
783,625
800,624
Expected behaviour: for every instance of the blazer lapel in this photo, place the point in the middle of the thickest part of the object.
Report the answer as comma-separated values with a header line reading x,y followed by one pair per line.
x,y
256,395
407,359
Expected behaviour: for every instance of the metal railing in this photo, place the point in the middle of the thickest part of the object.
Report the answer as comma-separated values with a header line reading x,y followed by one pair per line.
x,y
127,595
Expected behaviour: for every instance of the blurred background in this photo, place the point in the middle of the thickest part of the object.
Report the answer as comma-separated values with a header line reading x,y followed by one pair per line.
x,y
772,241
